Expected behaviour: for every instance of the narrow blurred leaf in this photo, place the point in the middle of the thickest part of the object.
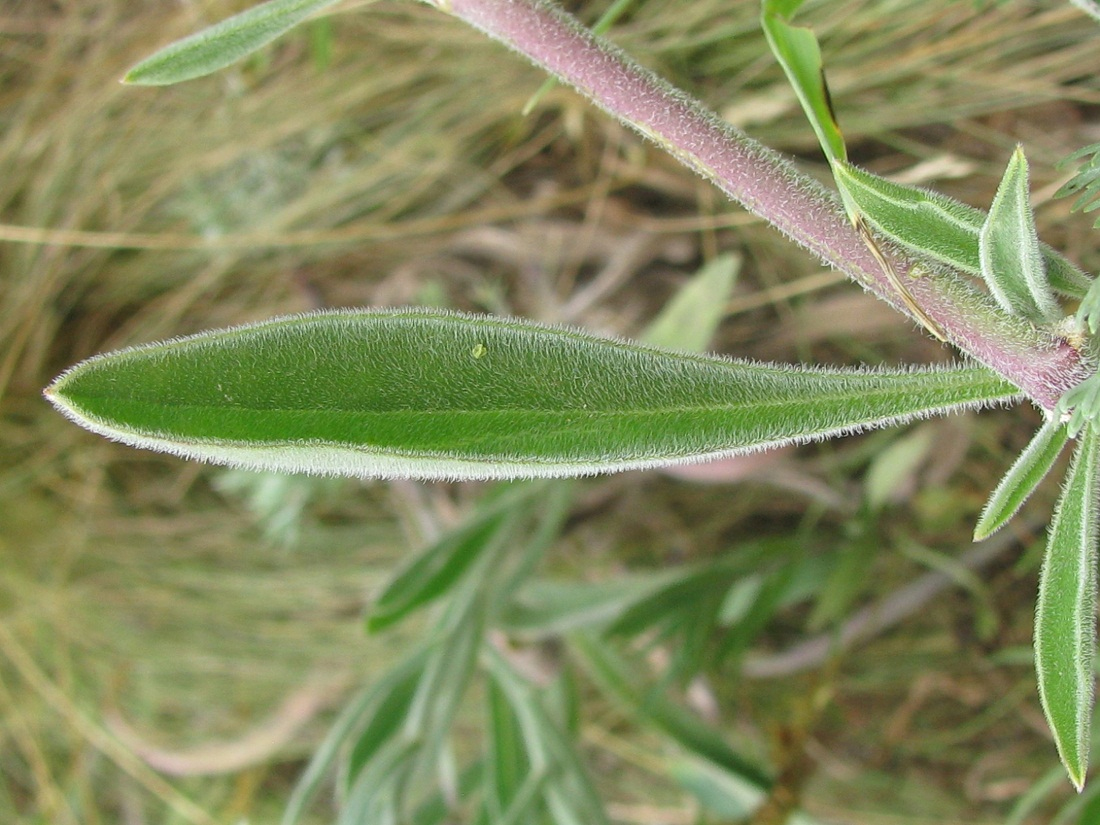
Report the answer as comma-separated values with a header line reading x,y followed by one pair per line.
x,y
769,600
568,792
620,683
1022,478
1065,620
437,569
394,696
507,759
691,583
939,227
428,394
689,321
1009,252
438,809
847,579
726,795
362,708
896,465
375,793
447,674
553,501
320,43
796,49
550,608
223,43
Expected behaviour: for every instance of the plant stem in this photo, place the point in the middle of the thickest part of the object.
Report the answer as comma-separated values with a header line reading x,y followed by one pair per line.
x,y
1044,365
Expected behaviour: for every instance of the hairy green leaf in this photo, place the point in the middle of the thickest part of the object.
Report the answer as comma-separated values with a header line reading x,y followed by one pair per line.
x,y
430,394
1065,619
1080,406
937,226
796,49
1022,478
1009,252
223,43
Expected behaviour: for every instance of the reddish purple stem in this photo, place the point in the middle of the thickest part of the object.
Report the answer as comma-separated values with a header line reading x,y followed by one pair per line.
x,y
1043,365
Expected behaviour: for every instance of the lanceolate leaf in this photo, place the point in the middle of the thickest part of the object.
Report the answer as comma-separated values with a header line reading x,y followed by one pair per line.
x,y
796,49
1008,246
937,226
429,394
1022,478
223,43
1065,621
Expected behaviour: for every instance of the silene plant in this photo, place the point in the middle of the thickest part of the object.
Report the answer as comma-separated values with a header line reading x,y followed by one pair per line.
x,y
428,394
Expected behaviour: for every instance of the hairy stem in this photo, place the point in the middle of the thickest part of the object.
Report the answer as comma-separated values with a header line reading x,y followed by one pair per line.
x,y
1042,364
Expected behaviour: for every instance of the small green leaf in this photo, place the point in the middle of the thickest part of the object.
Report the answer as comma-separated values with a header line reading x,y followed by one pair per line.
x,y
893,468
1080,406
1088,314
796,49
1022,478
1065,620
938,227
1009,252
397,393
223,43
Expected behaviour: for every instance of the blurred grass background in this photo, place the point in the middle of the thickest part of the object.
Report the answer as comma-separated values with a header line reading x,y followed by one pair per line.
x,y
157,617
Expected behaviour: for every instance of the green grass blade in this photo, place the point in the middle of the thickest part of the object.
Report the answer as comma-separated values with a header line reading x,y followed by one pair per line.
x,y
1022,478
939,227
1008,248
1065,620
223,43
796,49
430,394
